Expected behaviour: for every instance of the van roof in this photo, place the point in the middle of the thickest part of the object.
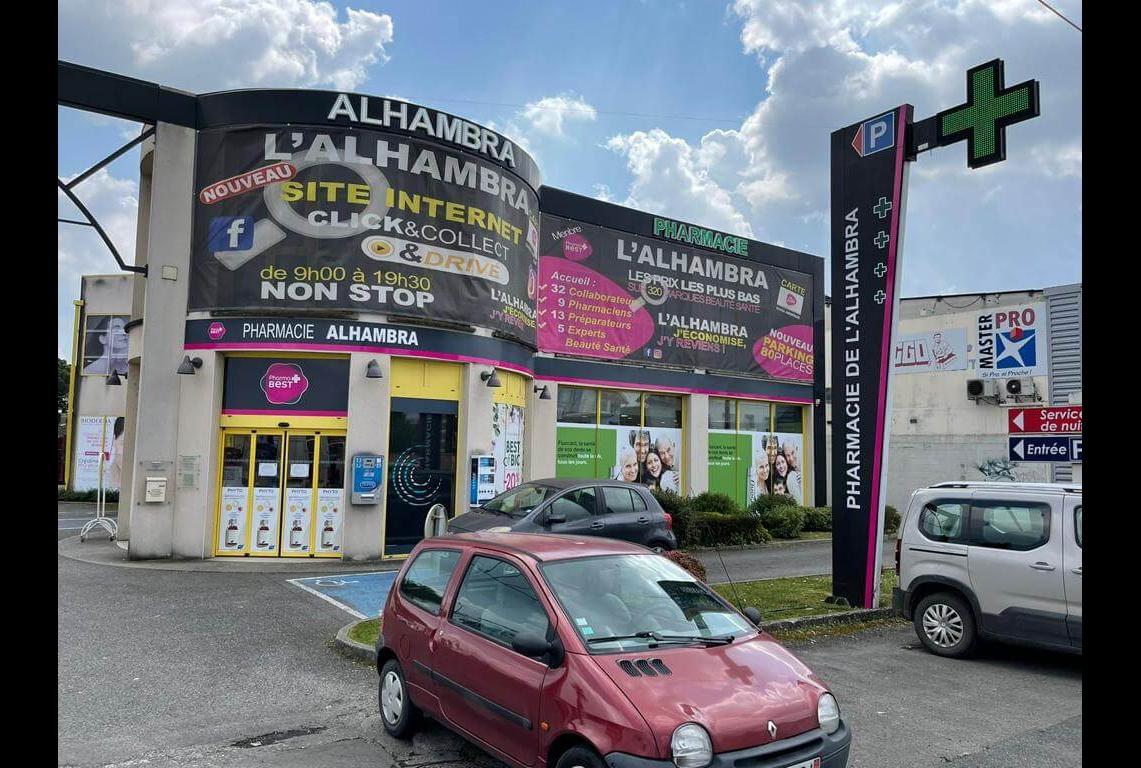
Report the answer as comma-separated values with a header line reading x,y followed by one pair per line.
x,y
1010,486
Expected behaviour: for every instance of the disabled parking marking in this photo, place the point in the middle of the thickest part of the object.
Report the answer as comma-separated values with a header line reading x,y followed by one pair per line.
x,y
361,594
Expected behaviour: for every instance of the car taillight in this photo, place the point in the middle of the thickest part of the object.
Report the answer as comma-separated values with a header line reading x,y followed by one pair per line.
x,y
669,520
898,546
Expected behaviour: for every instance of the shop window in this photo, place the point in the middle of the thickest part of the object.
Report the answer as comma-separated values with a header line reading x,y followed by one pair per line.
x,y
756,450
722,413
754,417
788,418
663,411
621,408
578,406
104,345
636,438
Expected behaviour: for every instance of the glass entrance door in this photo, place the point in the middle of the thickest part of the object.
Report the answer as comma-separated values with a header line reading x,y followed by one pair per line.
x,y
281,493
422,468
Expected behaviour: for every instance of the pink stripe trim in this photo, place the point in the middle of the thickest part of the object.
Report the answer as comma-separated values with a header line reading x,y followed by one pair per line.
x,y
689,390
271,345
245,412
885,355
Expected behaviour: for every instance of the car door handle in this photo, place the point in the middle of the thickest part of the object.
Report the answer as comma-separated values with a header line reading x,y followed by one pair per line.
x,y
643,520
1040,566
1077,570
598,525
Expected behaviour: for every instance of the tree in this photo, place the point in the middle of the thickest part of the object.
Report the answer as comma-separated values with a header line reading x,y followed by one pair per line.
x,y
64,385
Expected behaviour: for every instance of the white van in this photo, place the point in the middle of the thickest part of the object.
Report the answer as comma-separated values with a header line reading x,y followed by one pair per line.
x,y
992,560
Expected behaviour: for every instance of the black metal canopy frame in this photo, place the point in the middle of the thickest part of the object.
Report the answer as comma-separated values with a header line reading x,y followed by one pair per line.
x,y
91,220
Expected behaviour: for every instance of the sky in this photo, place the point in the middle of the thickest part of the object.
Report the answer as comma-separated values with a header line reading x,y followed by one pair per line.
x,y
712,112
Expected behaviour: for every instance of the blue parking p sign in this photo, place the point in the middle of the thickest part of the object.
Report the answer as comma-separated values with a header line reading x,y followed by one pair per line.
x,y
875,135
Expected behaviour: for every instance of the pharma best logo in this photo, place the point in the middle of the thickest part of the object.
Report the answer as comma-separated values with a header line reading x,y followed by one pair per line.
x,y
790,298
216,331
875,135
284,383
576,247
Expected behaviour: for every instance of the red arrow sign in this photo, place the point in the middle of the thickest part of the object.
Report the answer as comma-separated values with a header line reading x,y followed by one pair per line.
x,y
1065,419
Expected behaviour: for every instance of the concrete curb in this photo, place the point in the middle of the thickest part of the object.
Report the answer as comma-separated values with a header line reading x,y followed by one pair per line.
x,y
847,617
346,646
361,652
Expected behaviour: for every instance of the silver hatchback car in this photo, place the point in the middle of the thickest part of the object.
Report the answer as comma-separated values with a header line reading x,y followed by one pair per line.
x,y
992,560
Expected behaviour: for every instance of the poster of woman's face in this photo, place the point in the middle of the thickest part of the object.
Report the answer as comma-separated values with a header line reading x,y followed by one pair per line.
x,y
649,456
105,344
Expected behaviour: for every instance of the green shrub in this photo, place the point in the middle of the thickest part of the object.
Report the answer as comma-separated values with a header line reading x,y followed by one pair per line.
x,y
712,529
112,497
688,562
766,502
680,508
718,503
785,522
817,518
891,519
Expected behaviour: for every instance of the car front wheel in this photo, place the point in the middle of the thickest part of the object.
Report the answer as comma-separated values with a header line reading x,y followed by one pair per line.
x,y
580,757
397,711
945,625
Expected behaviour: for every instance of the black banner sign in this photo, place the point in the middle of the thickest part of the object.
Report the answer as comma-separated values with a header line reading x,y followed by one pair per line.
x,y
301,386
614,295
868,196
312,218
336,335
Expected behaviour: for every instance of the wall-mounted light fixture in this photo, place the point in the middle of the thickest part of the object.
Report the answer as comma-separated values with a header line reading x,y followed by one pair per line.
x,y
373,370
189,365
491,378
113,380
544,394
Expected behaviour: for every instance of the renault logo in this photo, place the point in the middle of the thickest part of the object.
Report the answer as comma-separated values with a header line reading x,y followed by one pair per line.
x,y
773,730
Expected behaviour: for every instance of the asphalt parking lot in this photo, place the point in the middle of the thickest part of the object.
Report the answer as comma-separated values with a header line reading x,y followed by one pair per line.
x,y
175,668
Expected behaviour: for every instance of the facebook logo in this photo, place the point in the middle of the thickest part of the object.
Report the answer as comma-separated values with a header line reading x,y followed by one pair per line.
x,y
875,135
231,233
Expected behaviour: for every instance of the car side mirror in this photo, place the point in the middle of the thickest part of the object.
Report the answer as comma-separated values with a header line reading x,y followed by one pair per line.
x,y
535,646
555,518
753,615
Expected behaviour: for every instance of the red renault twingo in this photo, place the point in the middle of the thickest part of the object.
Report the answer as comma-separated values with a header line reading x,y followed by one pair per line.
x,y
573,652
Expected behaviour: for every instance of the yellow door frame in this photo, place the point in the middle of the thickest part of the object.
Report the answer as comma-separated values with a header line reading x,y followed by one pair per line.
x,y
218,552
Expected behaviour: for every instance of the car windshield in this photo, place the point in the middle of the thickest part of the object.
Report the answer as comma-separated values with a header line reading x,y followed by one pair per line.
x,y
622,596
519,501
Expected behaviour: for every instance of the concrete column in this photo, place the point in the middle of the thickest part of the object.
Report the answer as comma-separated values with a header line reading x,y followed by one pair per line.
x,y
539,439
156,429
199,409
696,426
367,432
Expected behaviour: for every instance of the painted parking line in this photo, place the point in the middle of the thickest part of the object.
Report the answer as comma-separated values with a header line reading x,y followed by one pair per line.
x,y
361,594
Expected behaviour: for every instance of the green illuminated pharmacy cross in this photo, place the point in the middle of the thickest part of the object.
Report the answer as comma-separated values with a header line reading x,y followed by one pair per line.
x,y
989,109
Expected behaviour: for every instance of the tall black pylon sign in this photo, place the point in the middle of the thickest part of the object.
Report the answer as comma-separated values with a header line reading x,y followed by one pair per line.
x,y
869,194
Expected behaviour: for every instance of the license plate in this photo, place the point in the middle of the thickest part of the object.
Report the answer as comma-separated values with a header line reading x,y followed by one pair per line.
x,y
813,763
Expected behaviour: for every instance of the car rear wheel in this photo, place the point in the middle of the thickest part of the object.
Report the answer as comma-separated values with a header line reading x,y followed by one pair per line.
x,y
660,546
945,625
580,757
397,711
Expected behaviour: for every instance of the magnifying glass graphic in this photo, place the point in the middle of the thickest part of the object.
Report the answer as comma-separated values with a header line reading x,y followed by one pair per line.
x,y
650,292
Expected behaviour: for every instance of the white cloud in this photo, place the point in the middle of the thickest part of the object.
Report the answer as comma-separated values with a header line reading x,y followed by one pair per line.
x,y
672,178
548,115
204,45
832,63
114,204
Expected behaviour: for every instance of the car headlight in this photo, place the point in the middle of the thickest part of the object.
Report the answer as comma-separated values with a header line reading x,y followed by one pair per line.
x,y
498,529
828,713
691,747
